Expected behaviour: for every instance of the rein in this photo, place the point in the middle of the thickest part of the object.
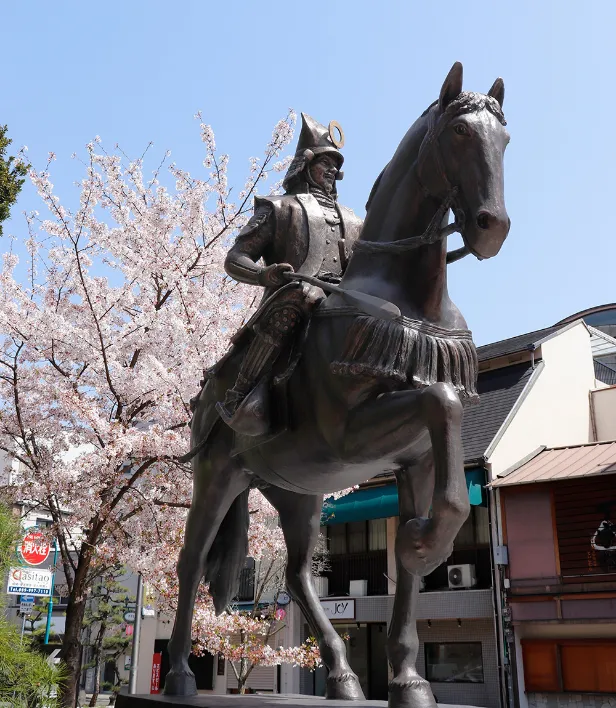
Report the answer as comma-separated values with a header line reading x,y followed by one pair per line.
x,y
432,234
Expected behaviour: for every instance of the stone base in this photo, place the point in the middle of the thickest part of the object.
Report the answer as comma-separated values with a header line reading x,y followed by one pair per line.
x,y
259,700
253,700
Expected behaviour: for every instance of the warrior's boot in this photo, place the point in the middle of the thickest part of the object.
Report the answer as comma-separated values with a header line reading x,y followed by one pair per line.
x,y
245,406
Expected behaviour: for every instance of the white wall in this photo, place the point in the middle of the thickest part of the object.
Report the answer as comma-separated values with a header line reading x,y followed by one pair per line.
x,y
556,410
604,410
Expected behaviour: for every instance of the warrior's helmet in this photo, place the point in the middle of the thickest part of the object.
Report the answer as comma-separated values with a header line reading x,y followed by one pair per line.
x,y
314,139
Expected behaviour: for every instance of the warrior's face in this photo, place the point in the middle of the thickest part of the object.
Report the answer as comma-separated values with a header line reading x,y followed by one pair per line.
x,y
323,171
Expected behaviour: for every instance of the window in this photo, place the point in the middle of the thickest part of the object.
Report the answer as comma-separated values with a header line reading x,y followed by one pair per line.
x,y
357,537
475,531
377,535
455,662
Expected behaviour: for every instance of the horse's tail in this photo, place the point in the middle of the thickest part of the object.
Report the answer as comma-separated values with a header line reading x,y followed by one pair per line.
x,y
228,554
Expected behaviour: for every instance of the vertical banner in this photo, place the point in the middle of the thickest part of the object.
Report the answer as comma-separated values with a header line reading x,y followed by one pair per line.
x,y
155,682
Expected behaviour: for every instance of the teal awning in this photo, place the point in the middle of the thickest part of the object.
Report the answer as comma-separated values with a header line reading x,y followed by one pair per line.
x,y
382,502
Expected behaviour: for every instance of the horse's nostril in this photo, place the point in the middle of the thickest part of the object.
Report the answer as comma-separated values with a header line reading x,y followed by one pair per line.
x,y
483,220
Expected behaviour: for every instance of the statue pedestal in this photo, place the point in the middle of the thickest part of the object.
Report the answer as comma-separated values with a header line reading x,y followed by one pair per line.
x,y
259,700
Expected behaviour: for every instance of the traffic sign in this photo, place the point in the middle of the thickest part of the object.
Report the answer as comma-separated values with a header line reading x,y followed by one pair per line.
x,y
35,548
29,581
26,604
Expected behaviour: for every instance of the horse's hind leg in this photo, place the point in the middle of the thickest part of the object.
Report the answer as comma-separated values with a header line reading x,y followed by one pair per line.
x,y
407,689
217,482
300,516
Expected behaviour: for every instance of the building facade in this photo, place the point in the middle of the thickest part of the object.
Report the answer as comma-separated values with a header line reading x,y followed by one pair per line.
x,y
558,512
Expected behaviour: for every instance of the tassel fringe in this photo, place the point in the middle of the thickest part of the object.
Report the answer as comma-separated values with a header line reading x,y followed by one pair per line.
x,y
407,351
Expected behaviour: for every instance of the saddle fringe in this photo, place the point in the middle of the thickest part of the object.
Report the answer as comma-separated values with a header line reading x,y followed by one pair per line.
x,y
407,351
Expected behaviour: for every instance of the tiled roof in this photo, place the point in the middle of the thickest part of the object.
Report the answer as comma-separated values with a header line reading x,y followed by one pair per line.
x,y
514,344
498,392
563,463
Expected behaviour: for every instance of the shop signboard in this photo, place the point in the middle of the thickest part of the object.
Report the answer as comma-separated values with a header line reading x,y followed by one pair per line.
x,y
339,609
29,581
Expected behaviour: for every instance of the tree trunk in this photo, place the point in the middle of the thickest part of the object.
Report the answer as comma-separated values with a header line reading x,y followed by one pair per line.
x,y
71,645
97,677
71,652
98,655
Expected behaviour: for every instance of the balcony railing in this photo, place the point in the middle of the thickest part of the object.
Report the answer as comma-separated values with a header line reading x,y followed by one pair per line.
x,y
370,566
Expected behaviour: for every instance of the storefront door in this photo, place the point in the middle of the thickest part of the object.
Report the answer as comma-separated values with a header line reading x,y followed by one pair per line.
x,y
365,644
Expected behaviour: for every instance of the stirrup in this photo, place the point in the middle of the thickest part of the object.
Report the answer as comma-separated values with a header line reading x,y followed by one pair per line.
x,y
251,416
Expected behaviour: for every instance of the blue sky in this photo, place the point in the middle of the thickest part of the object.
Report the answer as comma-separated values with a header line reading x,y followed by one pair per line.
x,y
133,71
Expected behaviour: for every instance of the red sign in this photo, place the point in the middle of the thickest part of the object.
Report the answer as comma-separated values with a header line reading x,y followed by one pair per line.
x,y
129,630
35,548
157,660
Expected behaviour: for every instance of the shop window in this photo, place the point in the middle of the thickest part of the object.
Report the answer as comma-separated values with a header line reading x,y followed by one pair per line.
x,y
357,537
589,668
540,666
570,666
454,662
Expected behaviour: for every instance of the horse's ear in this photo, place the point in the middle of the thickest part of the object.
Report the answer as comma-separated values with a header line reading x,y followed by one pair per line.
x,y
452,86
498,91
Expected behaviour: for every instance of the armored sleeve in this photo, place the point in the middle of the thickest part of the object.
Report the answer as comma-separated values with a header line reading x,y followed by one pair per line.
x,y
242,262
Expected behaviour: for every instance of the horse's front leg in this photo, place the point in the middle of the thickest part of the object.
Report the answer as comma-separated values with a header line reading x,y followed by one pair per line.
x,y
300,516
394,424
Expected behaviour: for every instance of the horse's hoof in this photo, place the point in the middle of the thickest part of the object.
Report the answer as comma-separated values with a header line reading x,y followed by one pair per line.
x,y
344,687
416,554
410,692
180,683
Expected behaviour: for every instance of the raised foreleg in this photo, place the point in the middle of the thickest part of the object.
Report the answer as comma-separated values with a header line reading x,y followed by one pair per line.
x,y
409,422
424,543
300,517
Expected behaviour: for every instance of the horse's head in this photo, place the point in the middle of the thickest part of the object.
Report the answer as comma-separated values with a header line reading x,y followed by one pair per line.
x,y
461,158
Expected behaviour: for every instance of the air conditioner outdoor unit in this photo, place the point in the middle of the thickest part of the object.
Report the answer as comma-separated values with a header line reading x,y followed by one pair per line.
x,y
461,576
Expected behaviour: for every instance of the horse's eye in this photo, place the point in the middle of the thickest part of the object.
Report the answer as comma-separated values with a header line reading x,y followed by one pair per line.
x,y
460,129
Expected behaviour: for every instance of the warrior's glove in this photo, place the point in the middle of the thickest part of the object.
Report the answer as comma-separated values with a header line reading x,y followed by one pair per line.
x,y
274,275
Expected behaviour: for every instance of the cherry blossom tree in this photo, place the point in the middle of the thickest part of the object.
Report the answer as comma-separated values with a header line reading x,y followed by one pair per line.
x,y
105,328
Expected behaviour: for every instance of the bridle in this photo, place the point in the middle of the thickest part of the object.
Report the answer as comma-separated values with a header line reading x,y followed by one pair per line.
x,y
435,182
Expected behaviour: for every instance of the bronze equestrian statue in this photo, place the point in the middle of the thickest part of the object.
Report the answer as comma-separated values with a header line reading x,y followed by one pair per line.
x,y
356,393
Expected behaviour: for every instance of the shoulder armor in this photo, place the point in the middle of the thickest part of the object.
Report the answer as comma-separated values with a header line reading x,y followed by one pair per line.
x,y
260,216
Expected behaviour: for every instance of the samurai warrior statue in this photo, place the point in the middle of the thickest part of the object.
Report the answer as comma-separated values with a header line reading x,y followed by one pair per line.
x,y
306,231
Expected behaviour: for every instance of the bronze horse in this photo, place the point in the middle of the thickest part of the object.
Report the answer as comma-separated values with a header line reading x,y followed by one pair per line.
x,y
368,395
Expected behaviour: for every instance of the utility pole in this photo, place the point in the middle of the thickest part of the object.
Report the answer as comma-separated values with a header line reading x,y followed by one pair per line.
x,y
134,657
